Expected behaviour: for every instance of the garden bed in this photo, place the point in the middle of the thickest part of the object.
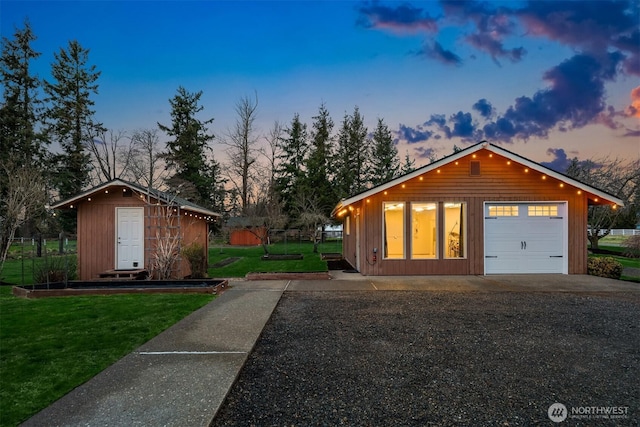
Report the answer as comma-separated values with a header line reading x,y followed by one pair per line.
x,y
281,257
108,287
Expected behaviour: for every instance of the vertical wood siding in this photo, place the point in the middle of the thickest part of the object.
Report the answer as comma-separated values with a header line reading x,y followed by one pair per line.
x,y
97,233
497,181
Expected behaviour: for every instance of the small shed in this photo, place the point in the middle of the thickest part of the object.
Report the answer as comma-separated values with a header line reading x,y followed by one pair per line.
x,y
243,233
124,227
482,210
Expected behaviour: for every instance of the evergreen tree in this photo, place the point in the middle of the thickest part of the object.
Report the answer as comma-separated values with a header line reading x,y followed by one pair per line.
x,y
197,177
290,172
317,182
385,164
352,157
408,166
70,119
21,108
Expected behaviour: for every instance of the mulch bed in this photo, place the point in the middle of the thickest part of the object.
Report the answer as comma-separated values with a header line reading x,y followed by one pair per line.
x,y
436,358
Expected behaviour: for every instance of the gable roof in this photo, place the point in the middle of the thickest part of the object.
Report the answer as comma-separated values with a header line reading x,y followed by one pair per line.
x,y
158,195
470,150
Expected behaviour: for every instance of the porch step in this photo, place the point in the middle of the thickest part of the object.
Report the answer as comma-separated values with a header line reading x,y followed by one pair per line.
x,y
137,274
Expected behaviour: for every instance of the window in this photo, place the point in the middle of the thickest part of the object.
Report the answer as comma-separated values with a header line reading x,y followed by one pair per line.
x,y
424,242
455,223
502,210
347,225
542,210
393,230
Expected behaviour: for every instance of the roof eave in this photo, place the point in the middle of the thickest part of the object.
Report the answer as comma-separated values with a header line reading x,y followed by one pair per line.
x,y
463,153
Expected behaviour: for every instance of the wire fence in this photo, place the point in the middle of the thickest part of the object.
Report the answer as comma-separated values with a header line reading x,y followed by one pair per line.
x,y
42,260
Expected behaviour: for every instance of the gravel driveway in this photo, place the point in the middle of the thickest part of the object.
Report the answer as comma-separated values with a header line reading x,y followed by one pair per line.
x,y
441,358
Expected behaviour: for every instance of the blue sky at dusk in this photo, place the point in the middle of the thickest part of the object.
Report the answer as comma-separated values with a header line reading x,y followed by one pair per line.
x,y
549,80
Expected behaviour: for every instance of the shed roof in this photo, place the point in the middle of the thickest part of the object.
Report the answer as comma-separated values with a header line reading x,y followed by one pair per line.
x,y
159,196
602,196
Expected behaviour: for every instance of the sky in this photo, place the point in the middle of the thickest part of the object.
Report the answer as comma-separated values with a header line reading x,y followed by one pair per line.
x,y
548,80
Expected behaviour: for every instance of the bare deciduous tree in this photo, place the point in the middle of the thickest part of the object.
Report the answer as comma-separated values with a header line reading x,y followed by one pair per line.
x,y
148,167
311,218
26,194
242,151
261,218
111,155
616,177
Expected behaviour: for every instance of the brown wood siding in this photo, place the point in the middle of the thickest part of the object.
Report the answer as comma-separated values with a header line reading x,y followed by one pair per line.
x,y
243,237
497,181
97,232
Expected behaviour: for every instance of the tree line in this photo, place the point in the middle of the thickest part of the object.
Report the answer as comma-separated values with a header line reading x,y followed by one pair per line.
x,y
292,174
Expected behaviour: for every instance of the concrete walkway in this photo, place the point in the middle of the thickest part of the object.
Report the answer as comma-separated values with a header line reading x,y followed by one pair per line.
x,y
181,377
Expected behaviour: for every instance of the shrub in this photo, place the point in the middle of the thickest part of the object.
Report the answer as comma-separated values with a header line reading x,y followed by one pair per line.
x,y
632,246
197,257
604,267
55,269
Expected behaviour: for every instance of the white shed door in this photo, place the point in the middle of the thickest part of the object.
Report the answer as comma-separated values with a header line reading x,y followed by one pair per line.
x,y
525,238
129,238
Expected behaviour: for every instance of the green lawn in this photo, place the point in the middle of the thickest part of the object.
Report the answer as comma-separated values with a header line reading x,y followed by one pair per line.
x,y
50,346
250,259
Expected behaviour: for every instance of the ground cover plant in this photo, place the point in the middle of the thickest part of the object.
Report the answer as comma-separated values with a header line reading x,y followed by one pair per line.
x,y
50,346
249,259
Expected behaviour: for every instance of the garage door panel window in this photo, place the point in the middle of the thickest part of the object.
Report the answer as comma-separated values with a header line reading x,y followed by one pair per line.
x,y
542,210
393,226
455,224
503,210
424,240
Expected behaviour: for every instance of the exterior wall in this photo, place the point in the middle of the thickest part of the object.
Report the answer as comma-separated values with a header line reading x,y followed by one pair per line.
x,y
97,233
243,237
498,181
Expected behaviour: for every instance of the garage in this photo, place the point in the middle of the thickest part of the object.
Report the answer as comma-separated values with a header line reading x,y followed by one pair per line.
x,y
525,238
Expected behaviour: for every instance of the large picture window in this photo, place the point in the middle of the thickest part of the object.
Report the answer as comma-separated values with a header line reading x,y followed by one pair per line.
x,y
424,241
393,233
455,225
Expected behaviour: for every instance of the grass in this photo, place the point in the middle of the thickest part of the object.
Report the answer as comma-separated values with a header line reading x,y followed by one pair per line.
x,y
626,262
50,346
250,259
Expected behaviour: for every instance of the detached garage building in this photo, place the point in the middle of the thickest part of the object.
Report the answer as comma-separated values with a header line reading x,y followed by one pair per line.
x,y
483,210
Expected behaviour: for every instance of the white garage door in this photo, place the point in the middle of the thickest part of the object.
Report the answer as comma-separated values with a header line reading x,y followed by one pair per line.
x,y
525,238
